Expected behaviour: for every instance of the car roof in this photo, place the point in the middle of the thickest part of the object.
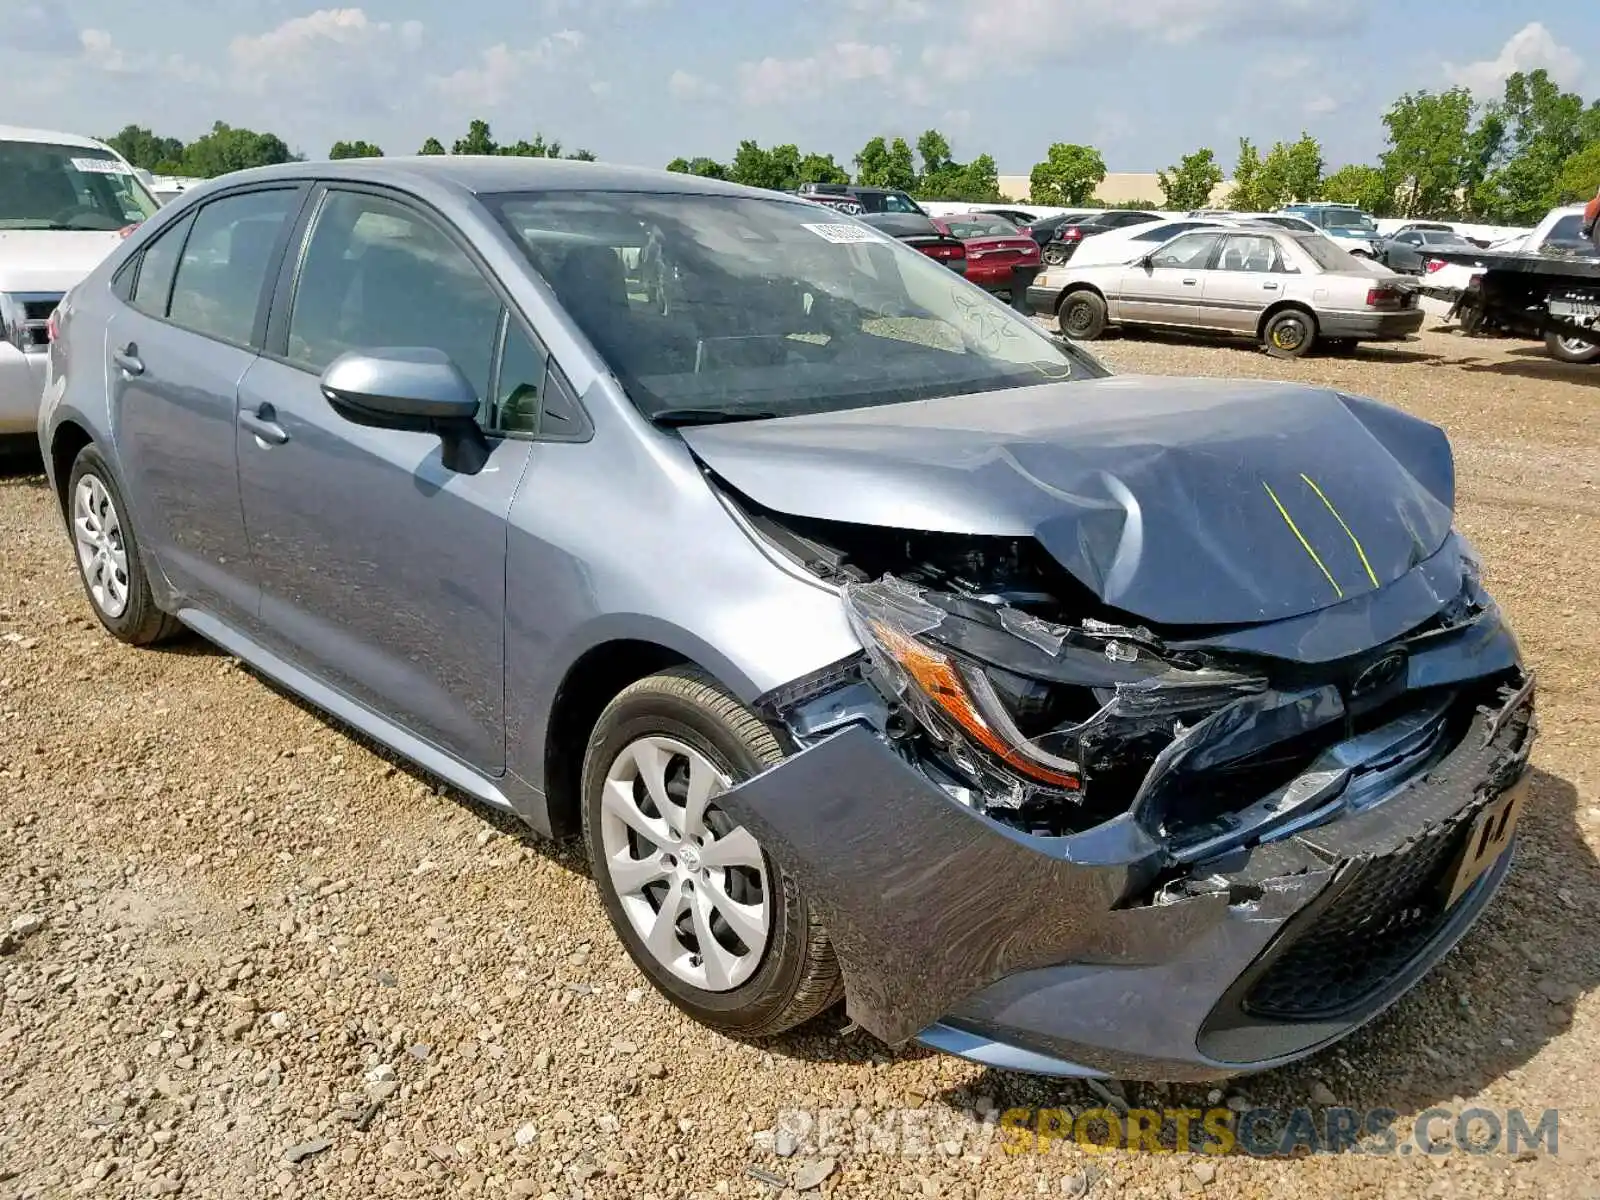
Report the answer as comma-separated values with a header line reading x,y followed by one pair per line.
x,y
16,133
489,174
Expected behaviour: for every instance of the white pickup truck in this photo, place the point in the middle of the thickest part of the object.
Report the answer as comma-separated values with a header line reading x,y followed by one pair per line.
x,y
65,203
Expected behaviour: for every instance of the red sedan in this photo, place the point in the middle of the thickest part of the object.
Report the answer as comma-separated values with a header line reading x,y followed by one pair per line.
x,y
995,247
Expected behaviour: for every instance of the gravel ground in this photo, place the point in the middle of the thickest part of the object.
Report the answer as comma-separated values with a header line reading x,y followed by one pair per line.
x,y
249,956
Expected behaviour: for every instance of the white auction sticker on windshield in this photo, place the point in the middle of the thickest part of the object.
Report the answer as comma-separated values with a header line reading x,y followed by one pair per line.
x,y
102,166
843,235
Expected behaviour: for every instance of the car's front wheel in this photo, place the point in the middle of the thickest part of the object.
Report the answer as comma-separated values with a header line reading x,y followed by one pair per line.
x,y
1572,350
701,907
110,561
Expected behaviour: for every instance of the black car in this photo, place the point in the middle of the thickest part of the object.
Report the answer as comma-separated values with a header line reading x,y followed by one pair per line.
x,y
1065,237
1409,250
856,200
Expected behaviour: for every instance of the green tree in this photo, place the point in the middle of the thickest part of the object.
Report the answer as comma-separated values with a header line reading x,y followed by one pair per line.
x,y
820,168
537,148
1543,127
432,146
144,149
354,150
707,168
934,148
777,168
1362,185
978,182
1429,164
1580,176
227,149
1191,182
584,156
479,140
1068,175
1291,171
886,165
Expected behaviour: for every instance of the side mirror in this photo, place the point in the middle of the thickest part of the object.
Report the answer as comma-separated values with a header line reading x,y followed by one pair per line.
x,y
417,390
1148,262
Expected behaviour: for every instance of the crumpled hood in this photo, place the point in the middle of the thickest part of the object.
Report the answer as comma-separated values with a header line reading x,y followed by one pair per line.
x,y
51,260
1179,501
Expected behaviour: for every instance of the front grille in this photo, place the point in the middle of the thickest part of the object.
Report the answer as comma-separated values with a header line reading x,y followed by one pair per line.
x,y
1381,918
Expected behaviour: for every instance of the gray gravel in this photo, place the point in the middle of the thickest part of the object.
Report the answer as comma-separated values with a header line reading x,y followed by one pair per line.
x,y
245,955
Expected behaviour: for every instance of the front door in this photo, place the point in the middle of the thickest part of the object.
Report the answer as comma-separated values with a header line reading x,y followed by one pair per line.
x,y
382,571
1167,290
1249,276
177,351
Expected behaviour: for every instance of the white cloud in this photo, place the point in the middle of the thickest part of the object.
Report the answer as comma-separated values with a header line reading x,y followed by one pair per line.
x,y
777,79
1321,105
684,85
1530,48
101,52
501,71
38,29
333,56
892,10
986,36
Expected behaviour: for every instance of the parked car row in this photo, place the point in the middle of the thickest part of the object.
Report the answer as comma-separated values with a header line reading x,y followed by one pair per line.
x,y
789,573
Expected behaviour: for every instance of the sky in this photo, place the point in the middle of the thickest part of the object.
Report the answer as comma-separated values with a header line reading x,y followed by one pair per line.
x,y
643,81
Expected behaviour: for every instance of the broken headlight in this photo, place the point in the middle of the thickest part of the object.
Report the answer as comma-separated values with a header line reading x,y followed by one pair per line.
x,y
1026,708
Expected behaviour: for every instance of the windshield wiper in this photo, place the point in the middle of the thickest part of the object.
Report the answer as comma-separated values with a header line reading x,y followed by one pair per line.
x,y
674,417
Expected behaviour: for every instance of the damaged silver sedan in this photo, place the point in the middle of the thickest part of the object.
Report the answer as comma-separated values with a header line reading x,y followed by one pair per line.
x,y
881,646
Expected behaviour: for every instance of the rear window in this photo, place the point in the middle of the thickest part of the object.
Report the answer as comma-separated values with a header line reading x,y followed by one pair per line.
x,y
1328,256
971,227
1566,234
44,186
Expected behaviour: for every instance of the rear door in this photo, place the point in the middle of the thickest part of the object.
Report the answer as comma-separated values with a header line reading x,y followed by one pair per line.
x,y
177,350
383,572
1167,291
1248,276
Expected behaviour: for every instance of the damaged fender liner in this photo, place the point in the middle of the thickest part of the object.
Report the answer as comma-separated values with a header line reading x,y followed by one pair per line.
x,y
928,903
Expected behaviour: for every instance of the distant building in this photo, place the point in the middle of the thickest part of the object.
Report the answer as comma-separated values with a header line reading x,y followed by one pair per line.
x,y
1120,187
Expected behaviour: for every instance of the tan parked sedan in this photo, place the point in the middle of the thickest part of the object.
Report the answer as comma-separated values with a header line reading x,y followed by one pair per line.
x,y
1287,290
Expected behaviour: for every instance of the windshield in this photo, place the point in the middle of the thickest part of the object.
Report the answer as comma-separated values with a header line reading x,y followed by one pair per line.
x,y
723,305
1347,218
1566,234
972,227
68,187
1328,256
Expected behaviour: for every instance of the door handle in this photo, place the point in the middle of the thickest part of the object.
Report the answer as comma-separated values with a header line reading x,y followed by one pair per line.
x,y
1269,287
1190,282
128,360
264,424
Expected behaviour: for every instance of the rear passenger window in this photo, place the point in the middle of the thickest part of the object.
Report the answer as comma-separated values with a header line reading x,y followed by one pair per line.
x,y
379,275
226,261
153,286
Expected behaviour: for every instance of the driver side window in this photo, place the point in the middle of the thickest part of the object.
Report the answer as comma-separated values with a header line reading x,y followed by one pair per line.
x,y
1192,251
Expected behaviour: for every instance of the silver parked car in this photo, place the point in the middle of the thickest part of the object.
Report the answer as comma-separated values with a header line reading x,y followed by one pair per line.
x,y
876,642
1288,290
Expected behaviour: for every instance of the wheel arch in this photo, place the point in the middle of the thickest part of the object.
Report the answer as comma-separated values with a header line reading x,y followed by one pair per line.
x,y
66,443
1073,289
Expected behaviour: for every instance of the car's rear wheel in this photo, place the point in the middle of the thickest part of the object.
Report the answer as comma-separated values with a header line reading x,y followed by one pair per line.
x,y
1054,254
1572,350
702,909
1289,334
110,562
1082,316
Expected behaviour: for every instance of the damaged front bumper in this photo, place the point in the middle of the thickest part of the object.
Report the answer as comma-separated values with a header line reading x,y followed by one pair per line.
x,y
1113,952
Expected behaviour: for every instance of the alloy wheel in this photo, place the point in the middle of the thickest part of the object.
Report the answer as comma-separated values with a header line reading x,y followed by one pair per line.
x,y
693,884
97,532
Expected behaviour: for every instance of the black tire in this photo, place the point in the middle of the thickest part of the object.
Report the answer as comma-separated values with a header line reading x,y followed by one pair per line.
x,y
798,975
1082,315
1289,333
1054,254
1569,350
140,622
